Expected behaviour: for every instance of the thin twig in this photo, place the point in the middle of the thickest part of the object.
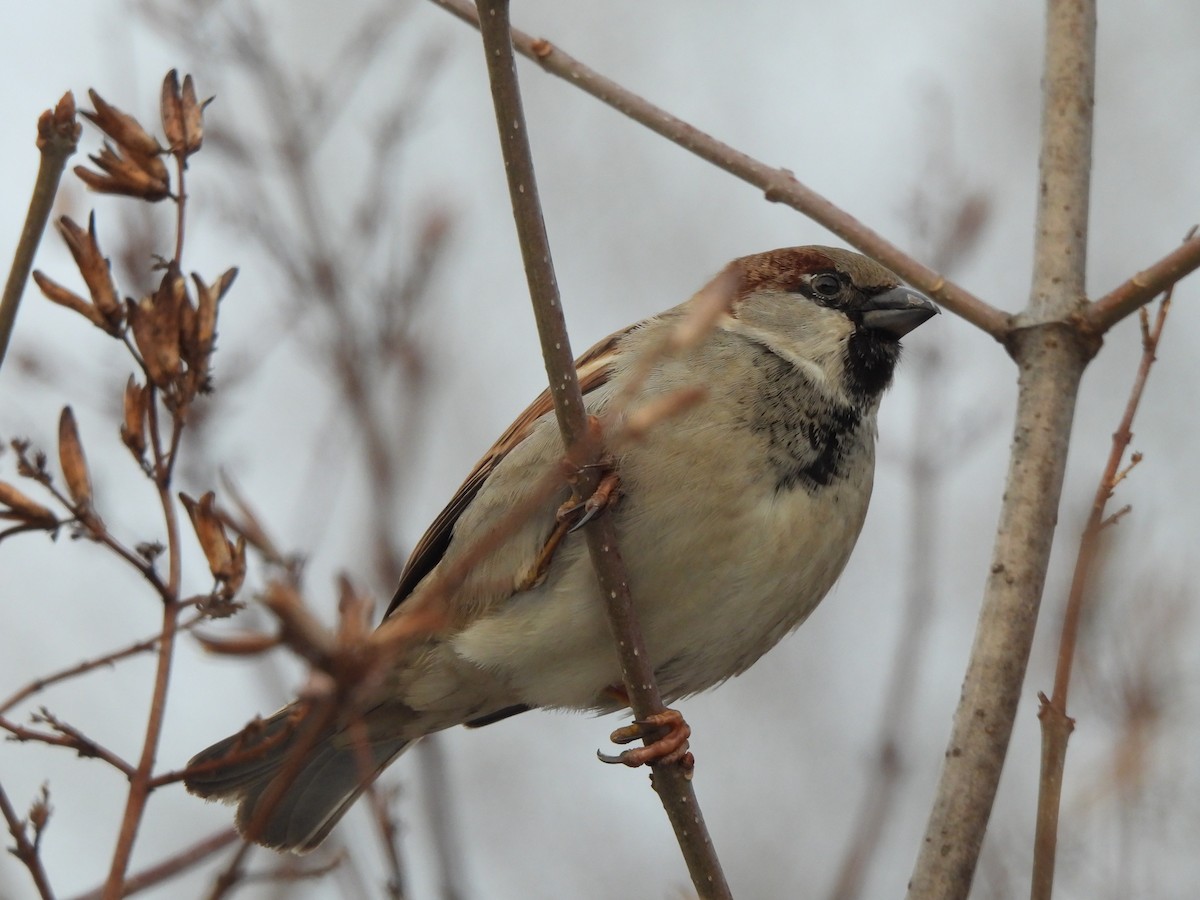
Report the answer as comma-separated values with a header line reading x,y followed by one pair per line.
x,y
381,799
58,136
171,866
1144,286
1056,724
66,736
40,684
140,785
671,782
779,185
1051,357
25,851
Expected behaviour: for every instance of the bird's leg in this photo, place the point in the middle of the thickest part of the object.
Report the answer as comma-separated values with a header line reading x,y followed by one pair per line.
x,y
577,513
668,734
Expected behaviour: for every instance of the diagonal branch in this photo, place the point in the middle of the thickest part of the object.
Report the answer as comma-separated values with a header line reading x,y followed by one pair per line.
x,y
1144,286
670,781
779,185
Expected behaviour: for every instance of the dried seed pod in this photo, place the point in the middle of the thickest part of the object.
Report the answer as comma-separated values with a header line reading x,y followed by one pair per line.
x,y
145,177
211,534
121,127
182,114
96,271
237,566
242,645
65,297
199,342
156,325
171,111
73,462
133,429
23,509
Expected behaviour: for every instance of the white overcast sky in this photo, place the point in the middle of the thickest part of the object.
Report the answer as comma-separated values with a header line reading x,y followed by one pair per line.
x,y
854,98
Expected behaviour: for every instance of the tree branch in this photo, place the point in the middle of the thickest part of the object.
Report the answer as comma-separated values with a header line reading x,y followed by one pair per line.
x,y
1051,357
1143,287
58,136
670,781
779,185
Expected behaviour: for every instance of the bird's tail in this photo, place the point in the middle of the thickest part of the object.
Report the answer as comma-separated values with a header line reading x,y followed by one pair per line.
x,y
292,775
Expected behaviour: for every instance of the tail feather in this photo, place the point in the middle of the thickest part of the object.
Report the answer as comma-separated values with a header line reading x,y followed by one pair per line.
x,y
333,771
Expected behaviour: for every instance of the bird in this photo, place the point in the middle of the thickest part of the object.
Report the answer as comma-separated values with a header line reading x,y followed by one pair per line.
x,y
735,513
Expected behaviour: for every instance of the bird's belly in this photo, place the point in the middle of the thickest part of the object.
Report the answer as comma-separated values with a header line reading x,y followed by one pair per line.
x,y
709,606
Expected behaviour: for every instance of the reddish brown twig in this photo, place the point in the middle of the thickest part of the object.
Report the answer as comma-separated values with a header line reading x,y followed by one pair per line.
x,y
64,735
1144,286
25,850
1056,724
670,781
171,866
40,684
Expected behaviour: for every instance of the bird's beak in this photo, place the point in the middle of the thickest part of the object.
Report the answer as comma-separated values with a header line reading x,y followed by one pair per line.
x,y
898,311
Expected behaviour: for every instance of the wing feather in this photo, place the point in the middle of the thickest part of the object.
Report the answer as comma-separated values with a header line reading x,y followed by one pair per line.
x,y
594,368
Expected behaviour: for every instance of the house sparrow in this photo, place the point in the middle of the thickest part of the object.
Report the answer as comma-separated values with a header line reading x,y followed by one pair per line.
x,y
735,516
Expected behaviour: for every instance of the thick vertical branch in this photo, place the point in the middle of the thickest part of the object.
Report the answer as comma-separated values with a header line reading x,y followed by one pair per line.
x,y
58,136
670,781
1051,358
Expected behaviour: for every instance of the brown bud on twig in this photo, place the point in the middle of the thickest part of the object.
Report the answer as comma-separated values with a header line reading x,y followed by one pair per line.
x,y
182,114
39,814
59,125
73,462
137,408
96,272
24,510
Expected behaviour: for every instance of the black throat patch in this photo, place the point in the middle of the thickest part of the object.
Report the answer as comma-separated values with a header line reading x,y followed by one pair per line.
x,y
808,438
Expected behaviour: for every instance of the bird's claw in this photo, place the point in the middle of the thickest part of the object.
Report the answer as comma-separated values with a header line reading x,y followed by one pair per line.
x,y
667,733
585,511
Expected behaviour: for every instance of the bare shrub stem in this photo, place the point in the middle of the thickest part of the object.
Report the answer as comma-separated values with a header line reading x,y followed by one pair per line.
x,y
671,782
58,137
1056,724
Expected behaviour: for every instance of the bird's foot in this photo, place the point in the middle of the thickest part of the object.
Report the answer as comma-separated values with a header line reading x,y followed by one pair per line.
x,y
667,733
577,513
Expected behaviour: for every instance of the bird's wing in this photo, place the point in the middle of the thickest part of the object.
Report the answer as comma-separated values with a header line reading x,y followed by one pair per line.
x,y
594,369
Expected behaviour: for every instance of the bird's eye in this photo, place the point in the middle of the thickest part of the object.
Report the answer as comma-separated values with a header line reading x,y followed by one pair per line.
x,y
825,287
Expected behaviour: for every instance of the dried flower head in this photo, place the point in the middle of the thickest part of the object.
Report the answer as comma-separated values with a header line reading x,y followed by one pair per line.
x,y
105,311
182,114
131,164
